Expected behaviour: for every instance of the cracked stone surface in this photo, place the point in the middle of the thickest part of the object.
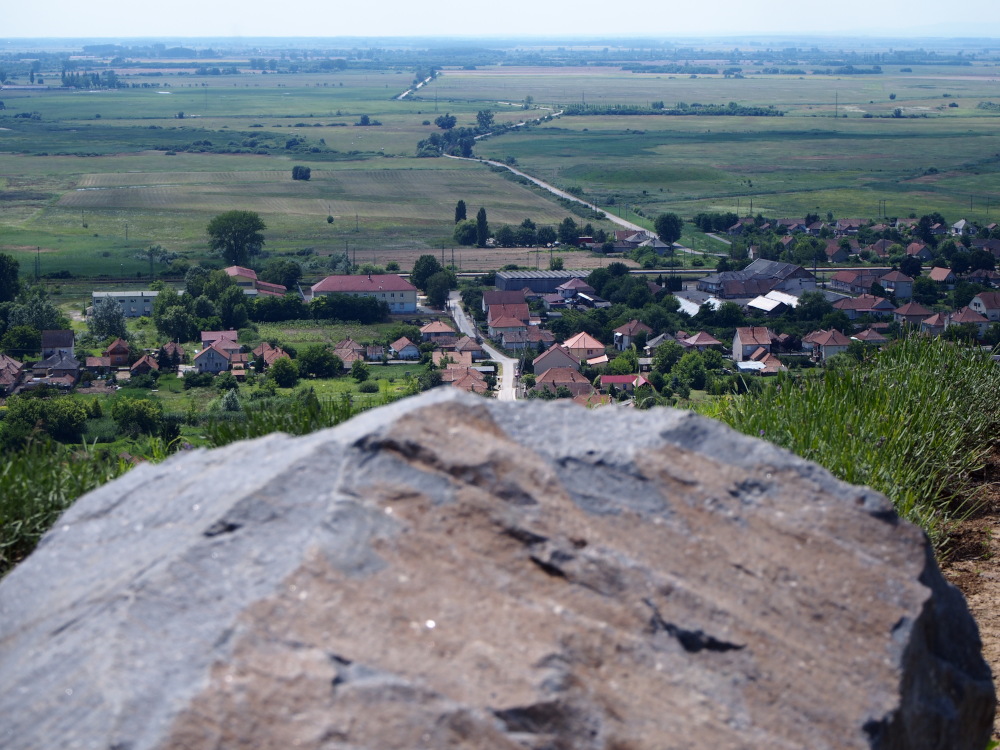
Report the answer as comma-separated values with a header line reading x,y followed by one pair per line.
x,y
451,572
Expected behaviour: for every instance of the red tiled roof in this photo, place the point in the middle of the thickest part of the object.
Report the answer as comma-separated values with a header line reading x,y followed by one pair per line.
x,y
363,284
754,335
241,271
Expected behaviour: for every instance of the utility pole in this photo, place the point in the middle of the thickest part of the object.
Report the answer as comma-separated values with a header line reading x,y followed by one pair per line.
x,y
38,263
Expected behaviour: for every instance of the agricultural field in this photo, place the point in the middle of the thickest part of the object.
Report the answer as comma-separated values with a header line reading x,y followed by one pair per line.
x,y
88,179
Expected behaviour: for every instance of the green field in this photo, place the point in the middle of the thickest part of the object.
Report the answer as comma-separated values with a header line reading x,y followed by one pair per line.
x,y
97,165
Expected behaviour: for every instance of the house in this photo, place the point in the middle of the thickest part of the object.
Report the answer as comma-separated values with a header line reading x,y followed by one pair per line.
x,y
627,383
441,357
943,276
213,337
174,353
870,336
501,297
855,281
213,358
654,342
506,324
143,366
136,304
57,342
759,278
919,250
584,346
245,278
968,316
466,345
897,283
117,353
11,372
465,378
911,314
436,330
398,293
268,353
880,249
864,304
987,304
61,366
748,341
557,356
573,287
826,344
403,348
519,311
848,226
761,363
962,227
934,325
835,253
542,282
700,341
557,377
97,365
626,334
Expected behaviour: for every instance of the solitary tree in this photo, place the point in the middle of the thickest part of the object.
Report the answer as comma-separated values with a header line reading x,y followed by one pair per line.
x,y
668,227
301,173
446,121
485,119
460,214
236,235
482,228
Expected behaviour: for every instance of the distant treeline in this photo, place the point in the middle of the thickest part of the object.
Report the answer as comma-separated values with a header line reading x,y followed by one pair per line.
x,y
706,110
675,69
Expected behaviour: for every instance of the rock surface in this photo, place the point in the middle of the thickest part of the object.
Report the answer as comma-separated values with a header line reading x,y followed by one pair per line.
x,y
450,572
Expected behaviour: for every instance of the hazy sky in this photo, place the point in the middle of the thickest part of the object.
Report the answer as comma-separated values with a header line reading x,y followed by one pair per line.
x,y
645,18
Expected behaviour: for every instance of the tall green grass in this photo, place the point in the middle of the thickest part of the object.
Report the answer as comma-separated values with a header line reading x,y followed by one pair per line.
x,y
39,482
913,422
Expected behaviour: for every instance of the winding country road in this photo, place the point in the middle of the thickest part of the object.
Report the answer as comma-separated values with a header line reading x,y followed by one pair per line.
x,y
556,191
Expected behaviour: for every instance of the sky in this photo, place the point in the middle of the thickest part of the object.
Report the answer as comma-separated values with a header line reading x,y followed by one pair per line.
x,y
549,18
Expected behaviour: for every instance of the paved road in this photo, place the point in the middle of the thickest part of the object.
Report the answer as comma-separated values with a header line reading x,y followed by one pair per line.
x,y
507,364
555,191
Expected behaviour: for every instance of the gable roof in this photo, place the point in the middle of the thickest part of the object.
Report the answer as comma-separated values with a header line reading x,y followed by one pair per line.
x,y
833,337
211,337
561,376
989,300
912,309
213,348
967,315
864,302
117,346
870,336
372,283
633,327
749,335
436,326
57,339
582,340
558,348
941,274
241,271
702,339
401,343
503,297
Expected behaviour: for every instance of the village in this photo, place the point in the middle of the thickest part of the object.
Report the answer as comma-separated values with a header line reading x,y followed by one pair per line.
x,y
657,343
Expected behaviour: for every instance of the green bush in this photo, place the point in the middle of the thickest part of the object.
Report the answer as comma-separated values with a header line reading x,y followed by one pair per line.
x,y
913,422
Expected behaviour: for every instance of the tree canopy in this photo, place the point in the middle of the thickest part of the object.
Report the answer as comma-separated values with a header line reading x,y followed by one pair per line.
x,y
9,283
236,235
669,227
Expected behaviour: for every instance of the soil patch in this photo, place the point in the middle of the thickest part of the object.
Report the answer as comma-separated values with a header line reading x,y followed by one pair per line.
x,y
973,562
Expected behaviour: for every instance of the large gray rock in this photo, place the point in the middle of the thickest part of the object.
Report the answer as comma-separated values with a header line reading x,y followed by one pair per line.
x,y
454,572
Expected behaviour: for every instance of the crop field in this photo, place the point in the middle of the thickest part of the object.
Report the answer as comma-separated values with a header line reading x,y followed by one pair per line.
x,y
94,177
